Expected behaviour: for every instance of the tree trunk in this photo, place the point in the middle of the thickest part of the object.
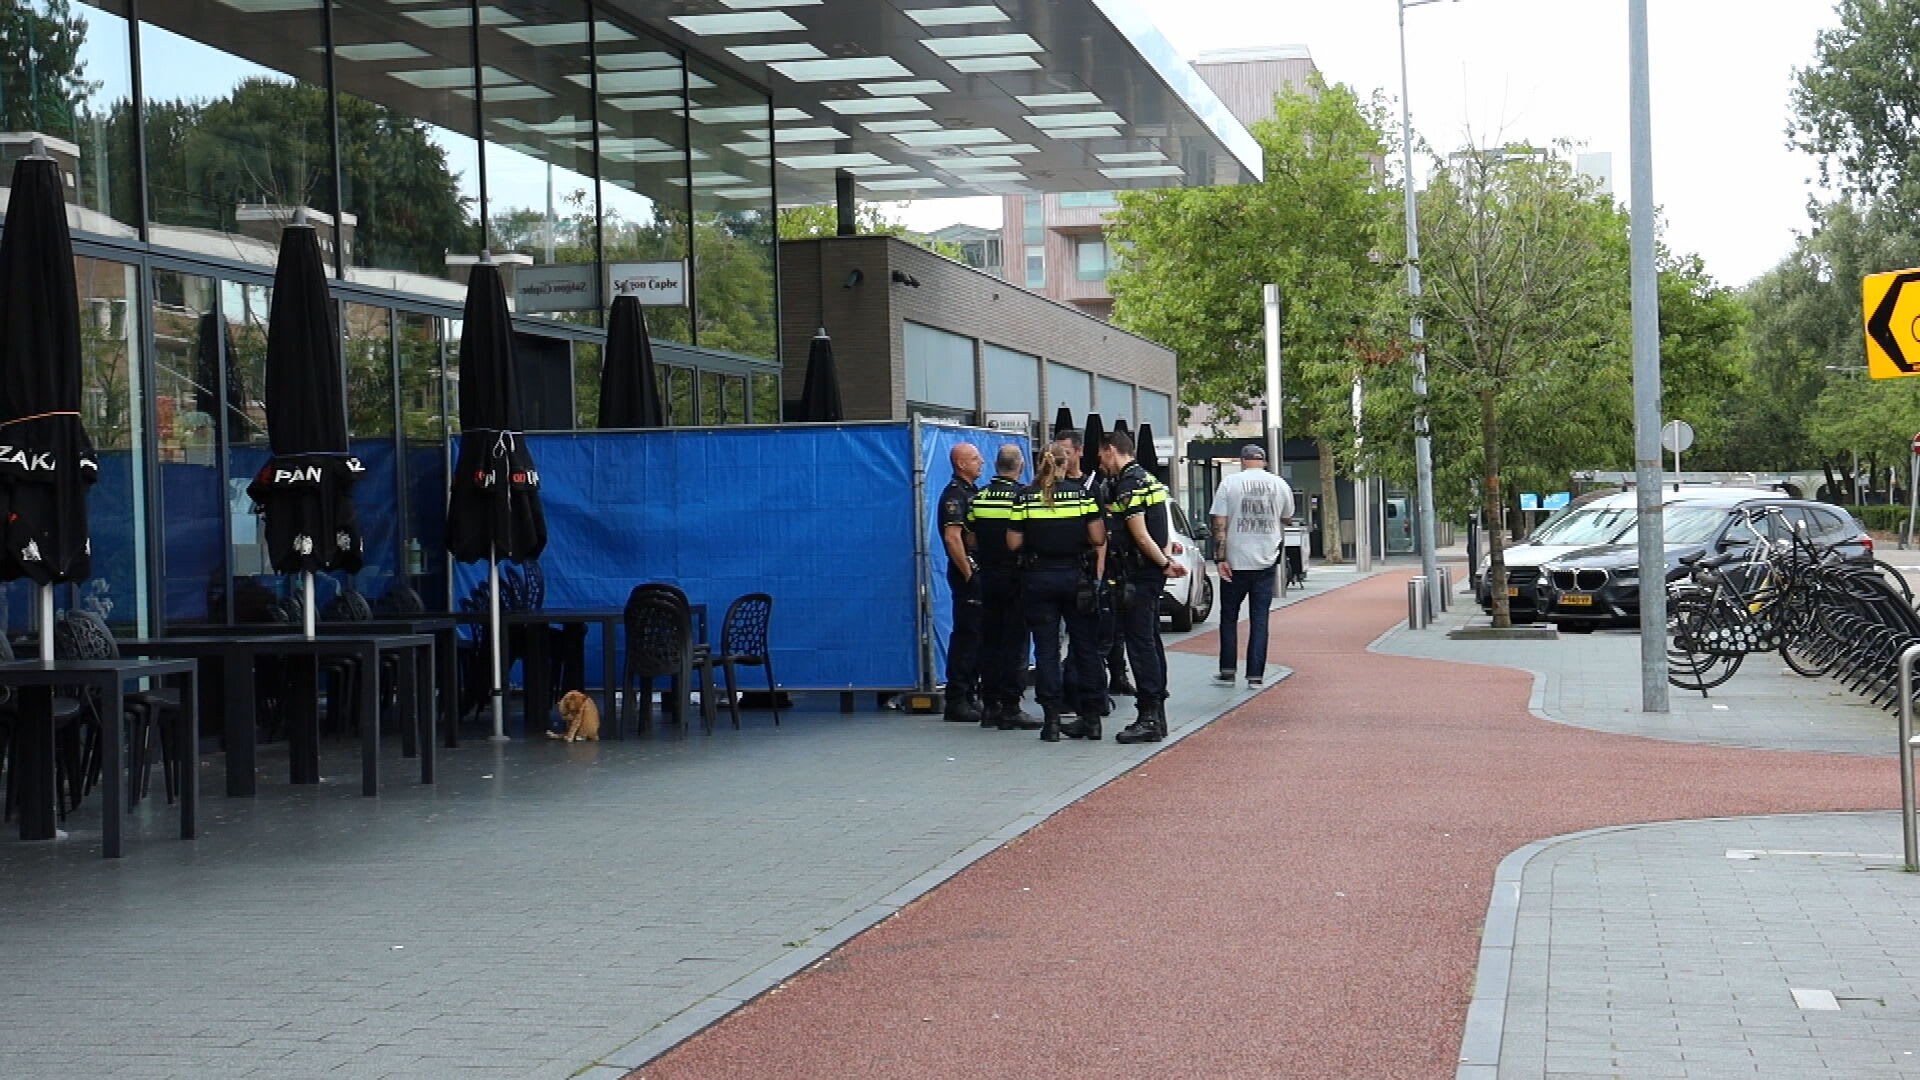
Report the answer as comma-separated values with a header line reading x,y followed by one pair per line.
x,y
1492,506
1834,491
1329,506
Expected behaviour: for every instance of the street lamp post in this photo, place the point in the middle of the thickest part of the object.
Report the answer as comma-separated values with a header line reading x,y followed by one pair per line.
x,y
1645,290
1422,437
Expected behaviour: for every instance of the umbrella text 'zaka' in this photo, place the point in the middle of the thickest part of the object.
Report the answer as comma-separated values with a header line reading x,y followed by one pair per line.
x,y
46,460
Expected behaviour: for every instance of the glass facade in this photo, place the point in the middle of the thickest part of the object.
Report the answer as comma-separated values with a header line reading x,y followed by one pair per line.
x,y
412,136
939,367
1013,382
1070,387
1116,401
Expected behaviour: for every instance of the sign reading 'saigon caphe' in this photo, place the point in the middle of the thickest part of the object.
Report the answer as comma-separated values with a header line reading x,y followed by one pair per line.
x,y
1890,303
657,284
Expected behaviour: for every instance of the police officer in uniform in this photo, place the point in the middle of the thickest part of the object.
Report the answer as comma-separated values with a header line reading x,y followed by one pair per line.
x,y
1003,635
963,644
1112,650
1137,547
1056,525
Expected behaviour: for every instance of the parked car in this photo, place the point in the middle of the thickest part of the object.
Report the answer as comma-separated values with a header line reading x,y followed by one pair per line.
x,y
1186,600
1590,522
1600,586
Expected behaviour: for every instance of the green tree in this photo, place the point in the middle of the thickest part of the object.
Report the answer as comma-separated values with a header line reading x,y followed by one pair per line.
x,y
1197,257
43,84
1857,106
1526,279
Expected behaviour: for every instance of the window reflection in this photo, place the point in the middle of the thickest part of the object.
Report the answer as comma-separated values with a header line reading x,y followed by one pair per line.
x,y
410,162
766,399
733,245
539,146
196,388
676,394
368,334
67,77
424,349
586,385
643,163
110,392
236,124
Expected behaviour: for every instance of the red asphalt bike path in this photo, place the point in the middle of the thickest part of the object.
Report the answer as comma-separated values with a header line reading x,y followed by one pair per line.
x,y
1295,891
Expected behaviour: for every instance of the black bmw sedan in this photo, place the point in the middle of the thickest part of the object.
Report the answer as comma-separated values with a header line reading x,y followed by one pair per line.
x,y
1600,586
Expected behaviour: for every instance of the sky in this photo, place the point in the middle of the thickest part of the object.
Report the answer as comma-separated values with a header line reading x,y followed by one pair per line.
x,y
1535,71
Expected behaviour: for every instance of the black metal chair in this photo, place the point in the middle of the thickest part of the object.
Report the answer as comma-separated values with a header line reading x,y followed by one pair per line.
x,y
70,717
82,635
743,643
659,645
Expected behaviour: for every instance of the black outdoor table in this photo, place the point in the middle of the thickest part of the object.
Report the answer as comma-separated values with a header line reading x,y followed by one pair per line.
x,y
539,693
235,655
34,745
446,658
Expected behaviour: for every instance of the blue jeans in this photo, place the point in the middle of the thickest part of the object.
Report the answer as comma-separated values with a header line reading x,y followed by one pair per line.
x,y
1255,587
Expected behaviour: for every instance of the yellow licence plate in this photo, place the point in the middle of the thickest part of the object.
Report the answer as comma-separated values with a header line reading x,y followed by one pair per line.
x,y
1513,590
1578,599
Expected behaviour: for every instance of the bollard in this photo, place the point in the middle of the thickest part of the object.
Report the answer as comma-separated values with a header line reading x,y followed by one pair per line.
x,y
1442,589
1910,835
1417,603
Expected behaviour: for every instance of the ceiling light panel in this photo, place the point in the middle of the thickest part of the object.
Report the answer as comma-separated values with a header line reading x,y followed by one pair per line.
x,y
262,7
1132,156
894,127
751,22
759,148
960,164
959,137
994,177
520,92
787,116
744,193
731,114
637,61
448,18
831,161
1084,133
986,65
906,86
707,180
632,145
751,5
811,134
902,185
971,15
981,45
842,69
636,82
574,33
385,50
1053,101
1131,171
760,54
1016,148
446,78
872,106
654,103
1074,119
880,170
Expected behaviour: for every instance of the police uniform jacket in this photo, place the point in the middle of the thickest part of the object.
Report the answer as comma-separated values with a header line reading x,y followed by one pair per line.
x,y
956,499
988,519
1136,492
1054,531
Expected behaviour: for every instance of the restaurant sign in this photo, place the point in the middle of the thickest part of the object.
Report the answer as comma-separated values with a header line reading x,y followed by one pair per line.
x,y
561,287
657,284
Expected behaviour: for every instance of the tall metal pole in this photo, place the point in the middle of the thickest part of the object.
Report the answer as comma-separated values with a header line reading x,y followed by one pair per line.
x,y
1362,516
1647,458
1422,437
1270,295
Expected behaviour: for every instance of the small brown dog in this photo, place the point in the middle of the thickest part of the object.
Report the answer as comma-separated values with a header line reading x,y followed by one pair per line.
x,y
582,717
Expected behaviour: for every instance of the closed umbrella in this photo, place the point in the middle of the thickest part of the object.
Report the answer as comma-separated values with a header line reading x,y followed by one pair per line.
x,y
46,459
820,395
211,370
629,396
1120,425
306,487
1062,422
1148,457
1090,446
493,511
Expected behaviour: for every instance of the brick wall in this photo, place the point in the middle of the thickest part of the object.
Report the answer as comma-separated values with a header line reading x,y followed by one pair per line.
x,y
865,322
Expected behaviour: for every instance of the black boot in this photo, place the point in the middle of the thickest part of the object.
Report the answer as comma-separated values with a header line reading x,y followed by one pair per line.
x,y
1050,727
1117,684
1141,730
1083,727
990,716
960,710
1160,719
1013,718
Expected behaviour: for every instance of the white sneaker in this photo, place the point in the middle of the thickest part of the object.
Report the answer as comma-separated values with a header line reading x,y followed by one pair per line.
x,y
1254,682
1224,678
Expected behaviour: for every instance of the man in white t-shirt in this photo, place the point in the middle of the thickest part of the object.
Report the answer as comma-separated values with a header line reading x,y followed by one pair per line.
x,y
1249,511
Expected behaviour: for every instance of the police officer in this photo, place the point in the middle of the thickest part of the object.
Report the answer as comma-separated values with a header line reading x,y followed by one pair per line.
x,y
1137,546
1003,635
1112,650
963,644
1057,525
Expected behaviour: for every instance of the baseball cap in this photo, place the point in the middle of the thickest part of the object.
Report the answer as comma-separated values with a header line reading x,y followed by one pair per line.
x,y
1253,452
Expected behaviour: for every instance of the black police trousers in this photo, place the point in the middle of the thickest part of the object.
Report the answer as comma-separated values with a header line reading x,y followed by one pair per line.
x,y
1140,628
963,644
1052,596
1003,637
1106,642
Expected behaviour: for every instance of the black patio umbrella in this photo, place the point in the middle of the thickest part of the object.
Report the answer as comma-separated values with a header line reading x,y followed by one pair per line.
x,y
493,511
1120,425
1062,422
210,371
820,396
46,459
306,488
1144,452
1090,447
629,396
